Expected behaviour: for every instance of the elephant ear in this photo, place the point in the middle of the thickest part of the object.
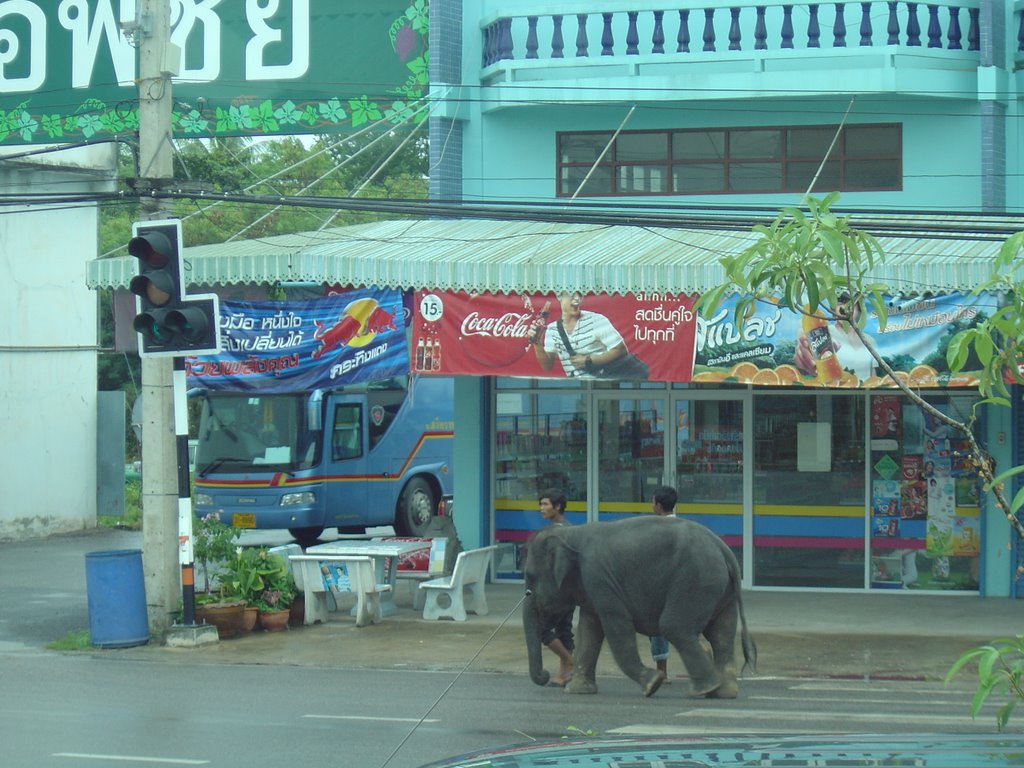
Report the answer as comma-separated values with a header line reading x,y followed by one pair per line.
x,y
564,563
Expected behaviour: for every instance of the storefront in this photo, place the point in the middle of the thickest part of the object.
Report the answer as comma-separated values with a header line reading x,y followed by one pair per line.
x,y
821,489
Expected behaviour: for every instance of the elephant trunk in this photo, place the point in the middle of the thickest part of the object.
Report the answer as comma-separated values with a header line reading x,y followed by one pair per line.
x,y
532,630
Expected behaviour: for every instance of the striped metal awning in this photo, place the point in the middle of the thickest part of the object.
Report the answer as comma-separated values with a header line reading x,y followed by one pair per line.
x,y
947,254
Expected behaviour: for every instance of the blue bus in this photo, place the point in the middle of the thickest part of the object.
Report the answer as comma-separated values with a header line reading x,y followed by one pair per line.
x,y
375,453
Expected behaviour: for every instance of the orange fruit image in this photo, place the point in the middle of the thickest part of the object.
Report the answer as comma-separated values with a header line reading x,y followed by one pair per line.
x,y
744,371
709,376
923,376
788,374
766,378
849,380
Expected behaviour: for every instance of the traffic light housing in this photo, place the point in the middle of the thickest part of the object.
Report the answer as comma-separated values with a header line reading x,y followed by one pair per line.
x,y
169,322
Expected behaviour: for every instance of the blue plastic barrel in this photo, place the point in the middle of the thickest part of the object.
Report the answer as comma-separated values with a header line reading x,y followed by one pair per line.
x,y
117,598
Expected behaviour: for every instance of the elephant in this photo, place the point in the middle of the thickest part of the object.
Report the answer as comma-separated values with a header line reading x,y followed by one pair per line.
x,y
654,575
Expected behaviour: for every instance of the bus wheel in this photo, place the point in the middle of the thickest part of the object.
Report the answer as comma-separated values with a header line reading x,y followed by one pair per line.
x,y
415,508
305,537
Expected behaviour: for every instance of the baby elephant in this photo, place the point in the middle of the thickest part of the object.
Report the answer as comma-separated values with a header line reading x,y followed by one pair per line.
x,y
656,576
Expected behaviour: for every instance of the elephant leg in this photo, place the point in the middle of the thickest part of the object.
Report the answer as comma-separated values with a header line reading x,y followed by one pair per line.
x,y
704,677
589,637
721,634
623,642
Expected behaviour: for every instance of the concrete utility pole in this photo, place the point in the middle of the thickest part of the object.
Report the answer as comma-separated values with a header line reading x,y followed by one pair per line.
x,y
159,450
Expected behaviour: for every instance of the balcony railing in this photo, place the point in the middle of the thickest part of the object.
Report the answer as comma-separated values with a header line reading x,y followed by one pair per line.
x,y
712,28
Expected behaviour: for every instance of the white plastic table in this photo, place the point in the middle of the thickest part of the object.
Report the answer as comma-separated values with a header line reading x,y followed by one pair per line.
x,y
379,551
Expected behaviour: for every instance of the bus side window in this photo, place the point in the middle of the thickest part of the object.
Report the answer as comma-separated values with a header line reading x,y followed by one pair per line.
x,y
346,437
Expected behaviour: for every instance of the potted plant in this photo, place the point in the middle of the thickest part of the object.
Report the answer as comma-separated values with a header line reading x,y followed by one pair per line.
x,y
214,542
243,575
278,593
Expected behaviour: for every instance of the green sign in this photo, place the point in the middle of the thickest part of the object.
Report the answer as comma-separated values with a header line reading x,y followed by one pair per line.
x,y
68,68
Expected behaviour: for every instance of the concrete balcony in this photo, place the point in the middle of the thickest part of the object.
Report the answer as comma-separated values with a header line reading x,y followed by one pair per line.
x,y
610,51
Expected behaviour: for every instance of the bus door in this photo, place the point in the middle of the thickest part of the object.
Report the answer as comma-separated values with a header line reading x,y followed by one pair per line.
x,y
346,463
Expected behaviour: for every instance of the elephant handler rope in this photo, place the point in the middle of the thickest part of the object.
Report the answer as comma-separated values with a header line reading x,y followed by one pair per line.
x,y
444,693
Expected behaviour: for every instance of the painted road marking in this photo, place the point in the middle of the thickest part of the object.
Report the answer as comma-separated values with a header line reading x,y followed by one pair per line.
x,y
131,758
373,719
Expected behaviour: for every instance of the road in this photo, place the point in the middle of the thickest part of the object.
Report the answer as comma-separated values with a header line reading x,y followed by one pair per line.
x,y
78,710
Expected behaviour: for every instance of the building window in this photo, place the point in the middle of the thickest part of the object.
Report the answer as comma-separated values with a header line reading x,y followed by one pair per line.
x,y
730,160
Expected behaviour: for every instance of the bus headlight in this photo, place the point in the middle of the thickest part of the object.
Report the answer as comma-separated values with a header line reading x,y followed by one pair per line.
x,y
291,499
204,500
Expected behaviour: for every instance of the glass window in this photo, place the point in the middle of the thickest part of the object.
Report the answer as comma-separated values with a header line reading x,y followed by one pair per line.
x,y
871,140
809,142
633,147
698,145
642,178
925,513
754,177
347,435
809,490
699,177
582,147
741,160
755,145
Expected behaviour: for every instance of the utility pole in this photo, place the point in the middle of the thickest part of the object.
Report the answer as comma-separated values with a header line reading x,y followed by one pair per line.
x,y
157,63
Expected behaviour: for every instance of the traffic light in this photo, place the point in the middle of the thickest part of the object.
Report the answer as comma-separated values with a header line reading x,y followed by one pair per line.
x,y
168,322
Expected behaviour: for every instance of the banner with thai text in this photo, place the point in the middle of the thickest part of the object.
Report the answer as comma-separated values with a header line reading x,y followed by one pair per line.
x,y
273,346
69,69
780,347
586,337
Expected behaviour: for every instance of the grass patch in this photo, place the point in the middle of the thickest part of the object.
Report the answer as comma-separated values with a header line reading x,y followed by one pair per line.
x,y
79,640
132,518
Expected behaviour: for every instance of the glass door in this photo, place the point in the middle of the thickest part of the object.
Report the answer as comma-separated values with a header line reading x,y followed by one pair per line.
x,y
708,460
630,455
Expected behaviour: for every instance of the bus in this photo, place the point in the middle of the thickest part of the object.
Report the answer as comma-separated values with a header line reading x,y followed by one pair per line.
x,y
369,454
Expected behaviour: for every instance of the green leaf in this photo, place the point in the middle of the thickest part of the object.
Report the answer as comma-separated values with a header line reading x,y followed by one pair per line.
x,y
958,350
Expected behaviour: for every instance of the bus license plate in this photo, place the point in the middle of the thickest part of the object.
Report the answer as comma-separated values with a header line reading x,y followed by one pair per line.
x,y
243,520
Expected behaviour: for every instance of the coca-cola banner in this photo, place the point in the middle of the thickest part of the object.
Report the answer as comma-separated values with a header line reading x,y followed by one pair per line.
x,y
582,336
293,346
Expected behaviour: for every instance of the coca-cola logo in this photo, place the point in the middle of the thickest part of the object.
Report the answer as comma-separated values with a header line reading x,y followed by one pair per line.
x,y
492,334
511,324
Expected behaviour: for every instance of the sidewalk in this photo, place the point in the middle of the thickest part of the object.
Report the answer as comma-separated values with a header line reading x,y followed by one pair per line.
x,y
889,635
883,634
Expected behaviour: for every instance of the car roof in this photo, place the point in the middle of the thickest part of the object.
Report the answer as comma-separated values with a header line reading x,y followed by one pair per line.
x,y
847,750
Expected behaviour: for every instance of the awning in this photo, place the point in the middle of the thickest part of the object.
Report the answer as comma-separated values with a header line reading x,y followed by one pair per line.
x,y
923,254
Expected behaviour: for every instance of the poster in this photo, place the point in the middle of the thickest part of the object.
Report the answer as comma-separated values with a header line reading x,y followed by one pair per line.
x,y
572,335
274,346
772,347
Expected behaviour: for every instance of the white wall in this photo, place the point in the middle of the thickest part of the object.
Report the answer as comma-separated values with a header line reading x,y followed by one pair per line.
x,y
48,337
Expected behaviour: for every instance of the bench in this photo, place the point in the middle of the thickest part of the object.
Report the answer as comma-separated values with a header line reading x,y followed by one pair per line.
x,y
324,574
469,575
423,564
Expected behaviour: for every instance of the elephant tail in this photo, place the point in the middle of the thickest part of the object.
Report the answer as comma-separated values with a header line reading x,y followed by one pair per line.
x,y
749,646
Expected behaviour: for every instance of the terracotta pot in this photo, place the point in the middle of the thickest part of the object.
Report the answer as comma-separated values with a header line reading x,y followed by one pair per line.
x,y
274,621
249,618
226,617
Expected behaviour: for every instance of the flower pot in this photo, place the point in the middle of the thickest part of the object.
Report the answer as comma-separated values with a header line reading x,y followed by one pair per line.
x,y
226,617
249,617
274,621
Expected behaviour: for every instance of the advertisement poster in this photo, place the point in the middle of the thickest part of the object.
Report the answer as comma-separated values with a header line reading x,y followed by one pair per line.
x,y
588,337
885,416
274,346
780,347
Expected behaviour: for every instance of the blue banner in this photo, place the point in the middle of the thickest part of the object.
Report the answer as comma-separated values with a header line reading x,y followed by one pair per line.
x,y
294,346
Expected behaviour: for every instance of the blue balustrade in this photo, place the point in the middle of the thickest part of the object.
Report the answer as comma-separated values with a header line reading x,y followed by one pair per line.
x,y
732,27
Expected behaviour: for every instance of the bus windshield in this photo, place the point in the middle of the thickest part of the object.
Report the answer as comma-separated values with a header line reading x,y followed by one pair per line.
x,y
242,432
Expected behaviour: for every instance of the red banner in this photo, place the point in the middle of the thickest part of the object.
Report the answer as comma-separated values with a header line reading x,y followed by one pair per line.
x,y
593,336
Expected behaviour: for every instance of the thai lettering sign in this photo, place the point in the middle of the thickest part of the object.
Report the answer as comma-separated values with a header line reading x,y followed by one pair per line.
x,y
68,68
274,346
572,335
780,347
